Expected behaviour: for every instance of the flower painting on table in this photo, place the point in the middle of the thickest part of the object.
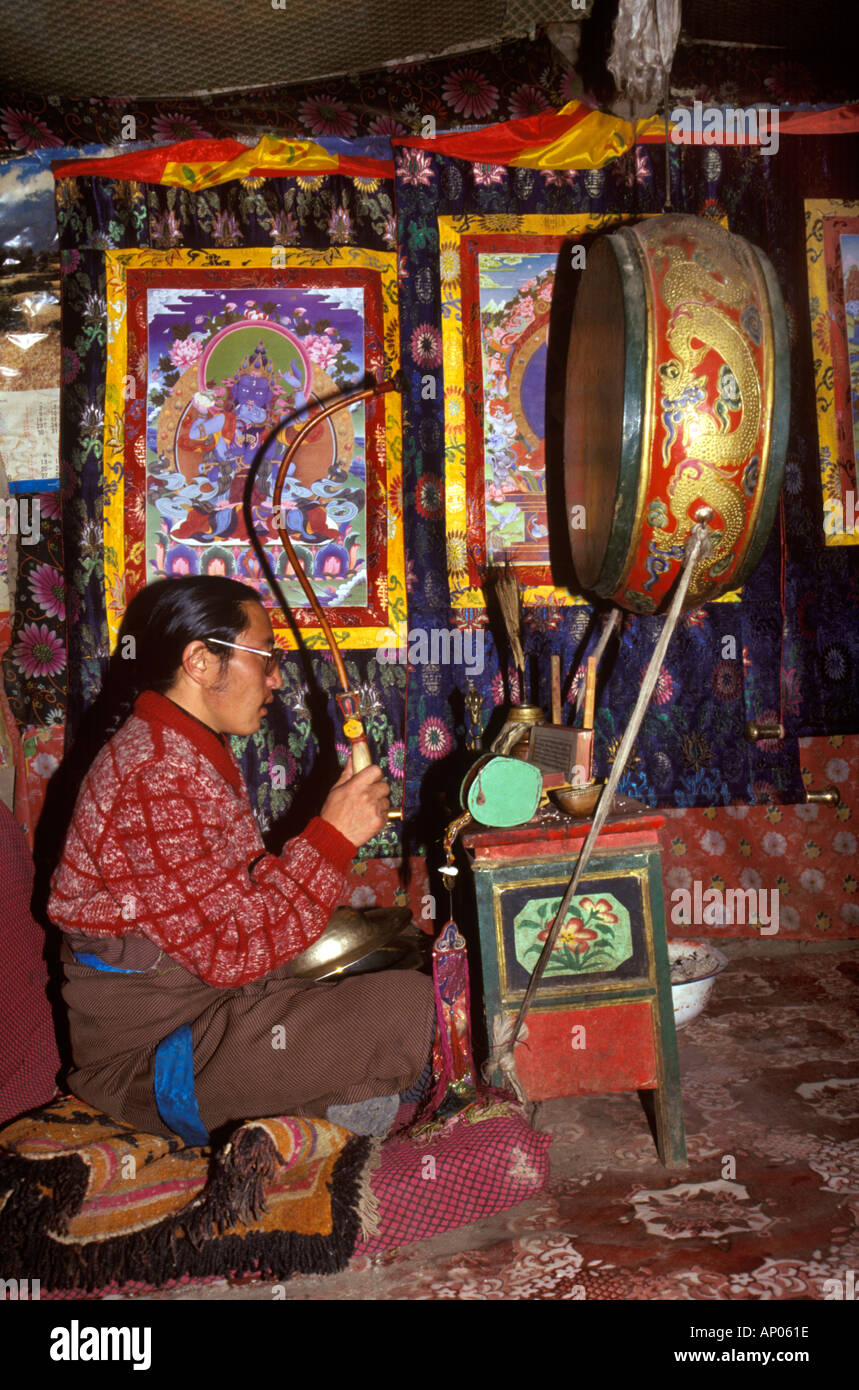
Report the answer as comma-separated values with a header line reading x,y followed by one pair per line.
x,y
497,289
208,351
832,255
601,934
595,936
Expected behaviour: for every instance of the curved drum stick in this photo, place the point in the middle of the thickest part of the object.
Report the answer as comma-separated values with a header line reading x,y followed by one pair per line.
x,y
347,699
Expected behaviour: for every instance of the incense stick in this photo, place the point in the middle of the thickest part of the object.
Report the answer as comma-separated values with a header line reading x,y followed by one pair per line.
x,y
509,601
556,689
590,693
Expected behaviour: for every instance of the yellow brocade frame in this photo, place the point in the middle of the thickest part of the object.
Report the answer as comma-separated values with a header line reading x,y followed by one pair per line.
x,y
354,547
830,226
464,476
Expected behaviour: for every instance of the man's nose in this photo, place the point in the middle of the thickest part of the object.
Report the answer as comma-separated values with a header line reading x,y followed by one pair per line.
x,y
275,678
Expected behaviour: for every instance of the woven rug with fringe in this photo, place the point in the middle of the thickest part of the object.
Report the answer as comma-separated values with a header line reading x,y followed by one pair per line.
x,y
88,1203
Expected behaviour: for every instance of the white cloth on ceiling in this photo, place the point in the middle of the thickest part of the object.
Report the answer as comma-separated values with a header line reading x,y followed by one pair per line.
x,y
645,37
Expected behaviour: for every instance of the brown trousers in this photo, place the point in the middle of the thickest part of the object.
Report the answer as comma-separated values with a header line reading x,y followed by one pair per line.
x,y
274,1047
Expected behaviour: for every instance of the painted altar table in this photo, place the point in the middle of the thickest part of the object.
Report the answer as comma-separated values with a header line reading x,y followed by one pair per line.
x,y
602,1018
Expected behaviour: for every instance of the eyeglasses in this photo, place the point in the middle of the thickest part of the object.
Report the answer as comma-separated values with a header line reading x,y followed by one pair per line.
x,y
271,658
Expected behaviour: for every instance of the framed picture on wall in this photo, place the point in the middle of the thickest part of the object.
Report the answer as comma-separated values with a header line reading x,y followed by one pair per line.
x,y
832,254
497,282
207,351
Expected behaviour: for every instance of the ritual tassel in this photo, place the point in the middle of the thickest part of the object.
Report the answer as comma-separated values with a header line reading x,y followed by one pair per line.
x,y
453,1068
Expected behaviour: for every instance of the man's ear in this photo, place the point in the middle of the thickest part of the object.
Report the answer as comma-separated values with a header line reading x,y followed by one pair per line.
x,y
197,662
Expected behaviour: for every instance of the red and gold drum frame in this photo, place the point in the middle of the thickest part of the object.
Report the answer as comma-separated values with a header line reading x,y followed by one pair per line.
x,y
677,396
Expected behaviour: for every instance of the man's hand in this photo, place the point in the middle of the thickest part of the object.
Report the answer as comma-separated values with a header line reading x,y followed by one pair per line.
x,y
358,804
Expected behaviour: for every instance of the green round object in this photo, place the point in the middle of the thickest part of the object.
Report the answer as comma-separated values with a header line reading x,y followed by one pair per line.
x,y
502,791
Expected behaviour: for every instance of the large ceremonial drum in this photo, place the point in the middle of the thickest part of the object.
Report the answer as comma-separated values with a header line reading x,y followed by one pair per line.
x,y
677,398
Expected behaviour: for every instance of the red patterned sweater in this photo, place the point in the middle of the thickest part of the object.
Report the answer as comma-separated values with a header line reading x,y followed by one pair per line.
x,y
163,841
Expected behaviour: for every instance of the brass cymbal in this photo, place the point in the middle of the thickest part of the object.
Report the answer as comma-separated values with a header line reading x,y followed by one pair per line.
x,y
403,953
349,937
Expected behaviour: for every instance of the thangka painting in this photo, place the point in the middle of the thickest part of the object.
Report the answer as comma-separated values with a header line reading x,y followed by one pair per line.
x,y
497,288
832,254
207,352
515,291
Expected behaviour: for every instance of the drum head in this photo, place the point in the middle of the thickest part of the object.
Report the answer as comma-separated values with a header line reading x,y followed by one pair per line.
x,y
594,414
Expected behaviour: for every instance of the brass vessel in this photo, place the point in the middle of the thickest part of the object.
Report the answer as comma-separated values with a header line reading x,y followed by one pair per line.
x,y
527,716
577,801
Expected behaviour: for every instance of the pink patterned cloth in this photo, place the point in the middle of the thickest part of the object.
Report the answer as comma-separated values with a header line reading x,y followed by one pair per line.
x,y
29,1060
443,1177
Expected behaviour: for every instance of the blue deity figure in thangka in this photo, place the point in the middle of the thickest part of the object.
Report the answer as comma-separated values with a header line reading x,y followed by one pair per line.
x,y
221,433
246,389
237,432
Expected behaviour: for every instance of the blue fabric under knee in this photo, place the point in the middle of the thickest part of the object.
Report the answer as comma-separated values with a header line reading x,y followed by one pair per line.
x,y
175,1096
374,1116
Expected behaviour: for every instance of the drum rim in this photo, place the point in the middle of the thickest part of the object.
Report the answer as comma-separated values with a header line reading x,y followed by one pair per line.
x,y
774,463
615,561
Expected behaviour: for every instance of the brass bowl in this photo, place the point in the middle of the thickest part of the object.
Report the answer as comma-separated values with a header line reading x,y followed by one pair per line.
x,y
349,937
577,801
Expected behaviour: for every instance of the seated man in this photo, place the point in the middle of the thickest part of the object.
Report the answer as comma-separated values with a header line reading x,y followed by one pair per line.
x,y
177,923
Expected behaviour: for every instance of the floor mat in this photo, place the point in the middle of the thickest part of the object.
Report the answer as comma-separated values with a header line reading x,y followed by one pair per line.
x,y
769,1207
90,1203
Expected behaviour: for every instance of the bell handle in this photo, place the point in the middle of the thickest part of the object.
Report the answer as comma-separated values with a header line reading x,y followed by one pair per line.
x,y
361,756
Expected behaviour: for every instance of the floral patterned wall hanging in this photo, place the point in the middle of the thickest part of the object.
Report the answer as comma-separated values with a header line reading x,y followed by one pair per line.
x,y
832,250
34,666
206,351
510,81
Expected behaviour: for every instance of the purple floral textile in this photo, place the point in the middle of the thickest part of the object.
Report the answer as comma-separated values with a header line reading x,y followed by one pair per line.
x,y
34,666
515,79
